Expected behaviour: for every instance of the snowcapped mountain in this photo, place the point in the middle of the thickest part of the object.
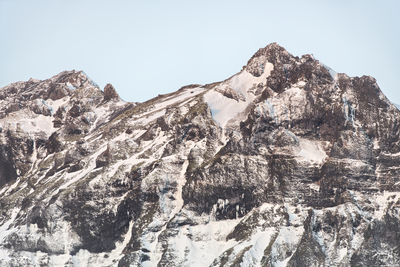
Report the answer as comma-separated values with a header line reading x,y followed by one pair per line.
x,y
285,163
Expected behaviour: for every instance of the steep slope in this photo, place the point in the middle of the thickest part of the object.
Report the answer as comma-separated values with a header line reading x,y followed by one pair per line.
x,y
285,163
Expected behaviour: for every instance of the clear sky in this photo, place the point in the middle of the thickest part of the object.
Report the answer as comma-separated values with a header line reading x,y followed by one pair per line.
x,y
145,48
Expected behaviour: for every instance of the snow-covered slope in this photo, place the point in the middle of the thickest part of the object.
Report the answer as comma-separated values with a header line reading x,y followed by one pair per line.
x,y
285,163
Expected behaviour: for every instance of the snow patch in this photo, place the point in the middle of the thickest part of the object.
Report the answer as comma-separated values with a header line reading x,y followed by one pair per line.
x,y
349,111
311,151
382,200
259,242
19,121
225,109
276,107
244,80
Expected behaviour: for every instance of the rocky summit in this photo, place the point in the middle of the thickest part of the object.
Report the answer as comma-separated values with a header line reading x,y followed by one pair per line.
x,y
286,163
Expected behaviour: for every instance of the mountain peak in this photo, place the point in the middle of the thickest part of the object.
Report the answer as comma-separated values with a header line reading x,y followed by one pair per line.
x,y
272,53
272,48
285,163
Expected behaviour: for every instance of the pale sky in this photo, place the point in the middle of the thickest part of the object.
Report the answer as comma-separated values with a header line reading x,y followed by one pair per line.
x,y
145,48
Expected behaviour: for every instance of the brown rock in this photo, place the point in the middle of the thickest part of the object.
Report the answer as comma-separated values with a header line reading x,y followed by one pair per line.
x,y
104,158
110,93
53,144
57,92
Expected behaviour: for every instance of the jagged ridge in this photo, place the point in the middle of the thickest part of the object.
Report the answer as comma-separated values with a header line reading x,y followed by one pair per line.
x,y
285,163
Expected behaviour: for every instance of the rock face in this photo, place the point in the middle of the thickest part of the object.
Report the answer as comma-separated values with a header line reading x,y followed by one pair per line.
x,y
286,163
110,93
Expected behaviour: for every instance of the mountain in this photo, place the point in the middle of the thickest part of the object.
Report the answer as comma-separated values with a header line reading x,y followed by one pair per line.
x,y
285,163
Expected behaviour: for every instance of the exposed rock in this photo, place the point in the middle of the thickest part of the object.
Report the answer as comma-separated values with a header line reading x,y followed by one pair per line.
x,y
110,93
53,144
57,92
104,158
285,163
7,168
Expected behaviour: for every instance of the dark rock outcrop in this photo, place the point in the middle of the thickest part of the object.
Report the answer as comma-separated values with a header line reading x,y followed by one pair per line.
x,y
285,163
110,93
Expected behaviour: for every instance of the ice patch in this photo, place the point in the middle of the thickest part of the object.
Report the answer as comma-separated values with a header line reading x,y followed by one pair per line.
x,y
331,71
70,86
349,111
271,110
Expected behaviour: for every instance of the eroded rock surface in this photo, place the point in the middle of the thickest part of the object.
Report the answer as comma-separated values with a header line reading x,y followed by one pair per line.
x,y
286,163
